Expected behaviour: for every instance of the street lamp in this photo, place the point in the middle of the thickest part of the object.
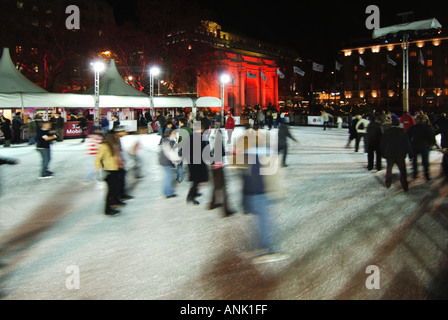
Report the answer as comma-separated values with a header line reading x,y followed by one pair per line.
x,y
225,78
153,71
98,67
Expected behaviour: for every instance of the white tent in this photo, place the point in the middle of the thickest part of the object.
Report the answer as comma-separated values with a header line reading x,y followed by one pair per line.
x,y
16,91
11,80
112,84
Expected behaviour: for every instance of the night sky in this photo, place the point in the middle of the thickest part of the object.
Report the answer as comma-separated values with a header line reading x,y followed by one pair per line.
x,y
315,29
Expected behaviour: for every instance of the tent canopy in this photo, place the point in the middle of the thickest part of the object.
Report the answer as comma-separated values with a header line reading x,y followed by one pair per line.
x,y
113,84
412,26
11,80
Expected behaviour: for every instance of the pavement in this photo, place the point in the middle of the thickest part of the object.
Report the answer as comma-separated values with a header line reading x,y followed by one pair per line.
x,y
345,236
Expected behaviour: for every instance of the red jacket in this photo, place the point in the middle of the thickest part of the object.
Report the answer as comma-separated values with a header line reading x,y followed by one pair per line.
x,y
407,120
230,123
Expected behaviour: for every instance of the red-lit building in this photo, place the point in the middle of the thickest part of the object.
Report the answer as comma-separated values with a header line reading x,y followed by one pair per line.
x,y
251,65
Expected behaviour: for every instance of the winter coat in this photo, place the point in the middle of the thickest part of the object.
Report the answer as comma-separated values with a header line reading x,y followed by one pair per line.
x,y
395,144
361,125
374,135
422,137
198,171
407,120
442,127
6,129
283,134
105,159
230,123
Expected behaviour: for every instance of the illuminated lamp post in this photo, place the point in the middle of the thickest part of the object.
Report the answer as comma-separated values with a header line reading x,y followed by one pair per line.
x,y
225,78
98,67
153,71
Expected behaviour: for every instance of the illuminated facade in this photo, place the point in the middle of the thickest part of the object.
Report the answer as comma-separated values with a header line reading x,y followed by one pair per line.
x,y
379,80
252,66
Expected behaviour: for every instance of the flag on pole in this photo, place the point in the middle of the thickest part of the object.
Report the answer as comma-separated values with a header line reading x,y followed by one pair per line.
x,y
281,75
390,61
318,67
338,66
251,75
233,79
421,59
299,71
263,76
361,62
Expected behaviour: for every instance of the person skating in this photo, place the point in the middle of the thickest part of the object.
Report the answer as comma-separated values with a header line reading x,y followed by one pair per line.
x,y
219,180
361,130
395,146
373,140
422,139
168,158
283,135
197,167
44,137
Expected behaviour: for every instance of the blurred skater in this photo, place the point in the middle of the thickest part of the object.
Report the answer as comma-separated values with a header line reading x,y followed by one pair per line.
x,y
255,198
373,140
197,167
219,181
44,137
283,135
6,129
93,142
168,159
395,145
422,140
110,159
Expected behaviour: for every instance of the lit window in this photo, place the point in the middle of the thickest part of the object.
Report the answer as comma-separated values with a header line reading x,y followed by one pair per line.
x,y
413,53
429,73
18,49
19,4
429,63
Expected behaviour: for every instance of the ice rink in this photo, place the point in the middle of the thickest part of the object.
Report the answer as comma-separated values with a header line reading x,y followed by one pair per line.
x,y
331,216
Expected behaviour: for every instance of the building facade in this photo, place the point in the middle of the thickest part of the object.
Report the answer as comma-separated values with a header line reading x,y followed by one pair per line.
x,y
373,73
43,49
252,66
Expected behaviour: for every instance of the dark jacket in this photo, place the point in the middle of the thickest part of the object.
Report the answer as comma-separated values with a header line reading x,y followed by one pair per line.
x,y
164,160
374,135
283,134
17,123
198,171
422,137
6,129
41,142
442,127
395,144
253,182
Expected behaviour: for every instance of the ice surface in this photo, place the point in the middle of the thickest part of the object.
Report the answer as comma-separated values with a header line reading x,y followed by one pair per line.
x,y
332,217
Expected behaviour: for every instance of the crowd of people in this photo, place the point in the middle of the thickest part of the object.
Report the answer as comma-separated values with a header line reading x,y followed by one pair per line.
x,y
199,144
394,138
